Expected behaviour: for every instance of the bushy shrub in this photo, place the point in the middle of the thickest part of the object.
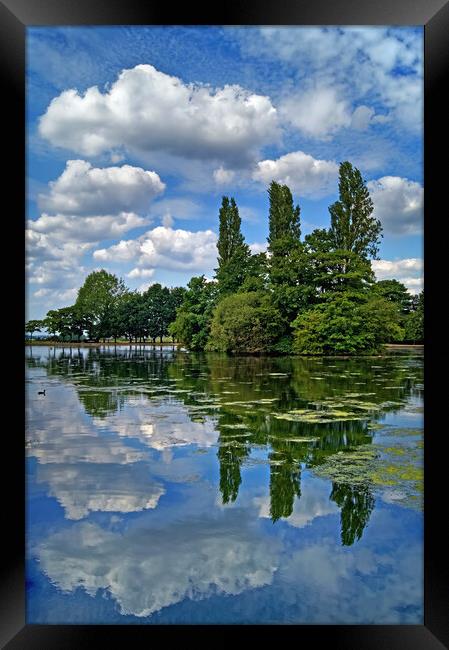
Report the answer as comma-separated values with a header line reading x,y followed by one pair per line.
x,y
244,322
346,324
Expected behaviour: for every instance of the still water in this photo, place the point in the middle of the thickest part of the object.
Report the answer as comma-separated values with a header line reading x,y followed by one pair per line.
x,y
168,487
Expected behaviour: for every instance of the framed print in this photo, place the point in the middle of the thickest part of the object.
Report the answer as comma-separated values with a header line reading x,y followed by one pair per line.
x,y
226,217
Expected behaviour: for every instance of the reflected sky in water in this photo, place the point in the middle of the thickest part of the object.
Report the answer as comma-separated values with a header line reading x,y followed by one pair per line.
x,y
168,487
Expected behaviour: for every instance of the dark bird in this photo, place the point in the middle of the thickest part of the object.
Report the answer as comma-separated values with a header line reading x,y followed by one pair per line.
x,y
41,392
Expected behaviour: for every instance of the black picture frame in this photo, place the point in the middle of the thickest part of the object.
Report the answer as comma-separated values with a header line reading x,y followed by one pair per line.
x,y
15,16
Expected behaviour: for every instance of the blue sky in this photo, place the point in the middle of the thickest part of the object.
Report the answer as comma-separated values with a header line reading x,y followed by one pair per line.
x,y
135,133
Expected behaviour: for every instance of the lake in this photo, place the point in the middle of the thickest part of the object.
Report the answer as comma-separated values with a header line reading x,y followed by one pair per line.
x,y
171,487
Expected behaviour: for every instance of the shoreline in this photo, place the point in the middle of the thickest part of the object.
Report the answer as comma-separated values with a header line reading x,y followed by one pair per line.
x,y
165,344
83,344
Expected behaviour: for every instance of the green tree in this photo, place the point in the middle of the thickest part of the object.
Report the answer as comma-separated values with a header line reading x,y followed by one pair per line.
x,y
256,278
66,321
158,310
96,299
331,270
346,324
339,258
52,322
244,322
284,224
74,321
353,227
193,318
177,295
395,292
287,262
33,326
233,253
414,322
128,312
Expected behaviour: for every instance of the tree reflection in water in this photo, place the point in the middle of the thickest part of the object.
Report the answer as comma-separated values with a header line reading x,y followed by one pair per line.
x,y
356,503
244,395
230,458
285,484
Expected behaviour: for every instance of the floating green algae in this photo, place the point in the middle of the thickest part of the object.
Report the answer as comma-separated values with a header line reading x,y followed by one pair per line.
x,y
296,439
374,426
236,425
394,472
358,394
352,467
231,436
323,416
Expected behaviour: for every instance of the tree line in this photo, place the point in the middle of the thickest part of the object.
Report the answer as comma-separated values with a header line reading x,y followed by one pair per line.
x,y
311,296
106,309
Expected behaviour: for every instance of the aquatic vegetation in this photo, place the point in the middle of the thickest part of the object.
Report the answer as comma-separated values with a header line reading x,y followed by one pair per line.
x,y
382,468
323,416
297,439
237,425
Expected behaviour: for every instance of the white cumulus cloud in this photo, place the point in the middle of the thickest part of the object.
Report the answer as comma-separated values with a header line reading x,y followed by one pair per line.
x,y
301,172
258,247
72,228
140,273
409,271
317,112
85,205
398,203
85,190
166,248
148,110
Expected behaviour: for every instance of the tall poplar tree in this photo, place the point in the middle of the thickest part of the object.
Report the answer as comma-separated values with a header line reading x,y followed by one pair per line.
x,y
284,224
287,263
353,226
233,252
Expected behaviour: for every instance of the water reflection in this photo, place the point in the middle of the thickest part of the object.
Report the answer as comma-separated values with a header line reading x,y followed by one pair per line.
x,y
356,505
187,449
138,394
88,487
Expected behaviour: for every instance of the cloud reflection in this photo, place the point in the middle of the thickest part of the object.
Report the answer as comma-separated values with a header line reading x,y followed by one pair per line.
x,y
88,487
148,569
160,425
